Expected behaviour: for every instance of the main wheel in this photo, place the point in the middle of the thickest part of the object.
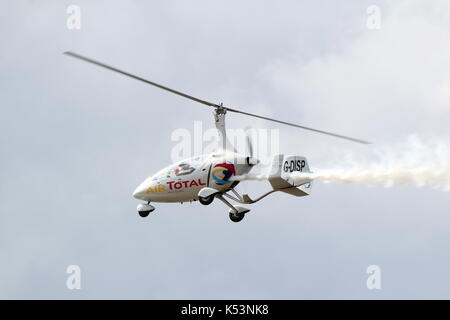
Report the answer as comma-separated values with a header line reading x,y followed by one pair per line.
x,y
236,217
207,200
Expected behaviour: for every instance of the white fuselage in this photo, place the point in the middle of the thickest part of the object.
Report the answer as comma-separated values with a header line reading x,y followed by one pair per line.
x,y
183,180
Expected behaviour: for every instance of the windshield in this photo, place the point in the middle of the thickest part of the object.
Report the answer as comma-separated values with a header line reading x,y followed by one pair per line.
x,y
180,169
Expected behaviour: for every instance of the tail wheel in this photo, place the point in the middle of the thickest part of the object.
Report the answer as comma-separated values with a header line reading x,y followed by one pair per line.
x,y
206,200
236,217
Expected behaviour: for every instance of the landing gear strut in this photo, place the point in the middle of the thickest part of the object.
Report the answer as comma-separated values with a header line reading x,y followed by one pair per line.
x,y
237,213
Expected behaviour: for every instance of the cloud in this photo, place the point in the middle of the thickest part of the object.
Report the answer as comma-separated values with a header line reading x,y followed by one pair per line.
x,y
76,140
384,84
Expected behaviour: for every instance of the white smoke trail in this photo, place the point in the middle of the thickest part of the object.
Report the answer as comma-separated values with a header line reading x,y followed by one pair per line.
x,y
251,177
417,162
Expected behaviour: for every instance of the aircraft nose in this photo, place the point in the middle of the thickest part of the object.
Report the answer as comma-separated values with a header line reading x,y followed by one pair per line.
x,y
140,192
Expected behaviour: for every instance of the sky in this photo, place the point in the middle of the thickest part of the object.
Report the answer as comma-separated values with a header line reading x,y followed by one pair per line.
x,y
76,140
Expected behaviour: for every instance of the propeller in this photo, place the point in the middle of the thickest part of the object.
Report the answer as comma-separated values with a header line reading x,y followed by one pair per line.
x,y
249,145
207,103
251,160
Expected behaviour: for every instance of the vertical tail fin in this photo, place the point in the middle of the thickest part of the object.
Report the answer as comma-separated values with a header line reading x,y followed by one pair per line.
x,y
284,175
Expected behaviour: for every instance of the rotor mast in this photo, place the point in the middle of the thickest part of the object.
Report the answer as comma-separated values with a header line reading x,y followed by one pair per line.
x,y
219,120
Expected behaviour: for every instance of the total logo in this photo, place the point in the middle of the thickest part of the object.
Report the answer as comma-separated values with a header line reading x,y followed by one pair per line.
x,y
222,172
176,185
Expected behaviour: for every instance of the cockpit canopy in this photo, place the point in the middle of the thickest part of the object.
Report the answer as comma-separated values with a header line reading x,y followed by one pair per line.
x,y
181,168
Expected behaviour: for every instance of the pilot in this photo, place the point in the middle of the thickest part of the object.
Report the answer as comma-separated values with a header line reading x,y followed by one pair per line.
x,y
184,169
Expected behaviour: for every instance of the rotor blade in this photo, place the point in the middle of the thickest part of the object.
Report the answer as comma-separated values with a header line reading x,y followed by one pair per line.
x,y
78,56
100,64
298,126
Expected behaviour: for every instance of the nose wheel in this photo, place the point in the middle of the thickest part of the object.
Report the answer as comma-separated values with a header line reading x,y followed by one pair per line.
x,y
144,214
144,209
